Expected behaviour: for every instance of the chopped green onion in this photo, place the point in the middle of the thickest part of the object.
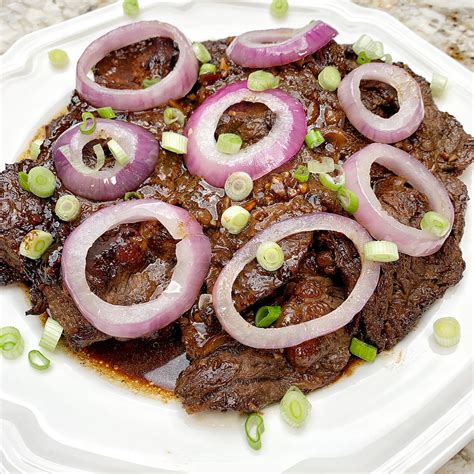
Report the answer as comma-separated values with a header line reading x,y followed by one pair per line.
x,y
362,44
387,58
267,315
371,49
11,342
262,80
35,149
329,78
35,243
375,51
88,124
118,152
381,251
348,200
229,143
362,58
58,58
106,112
301,173
326,165
51,334
270,256
362,350
202,54
23,180
294,407
207,68
174,142
447,332
438,84
171,115
238,186
100,155
132,195
435,224
314,138
67,207
279,8
333,183
41,181
150,82
38,361
254,427
131,7
234,219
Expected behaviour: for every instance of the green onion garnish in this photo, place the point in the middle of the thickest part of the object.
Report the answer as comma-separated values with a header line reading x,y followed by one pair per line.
x,y
88,124
325,165
150,82
438,84
329,78
131,7
132,195
11,342
58,58
202,54
254,427
35,149
174,142
262,80
387,58
35,243
301,174
362,58
41,181
171,115
371,49
270,256
118,152
234,219
267,315
333,183
435,224
238,185
229,143
314,138
348,200
294,407
106,112
23,180
362,350
51,334
381,251
38,361
279,8
67,207
100,155
207,68
447,331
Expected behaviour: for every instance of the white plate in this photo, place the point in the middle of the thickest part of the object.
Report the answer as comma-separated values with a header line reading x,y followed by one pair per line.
x,y
410,410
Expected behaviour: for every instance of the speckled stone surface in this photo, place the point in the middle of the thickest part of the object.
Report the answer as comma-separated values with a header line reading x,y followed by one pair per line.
x,y
448,24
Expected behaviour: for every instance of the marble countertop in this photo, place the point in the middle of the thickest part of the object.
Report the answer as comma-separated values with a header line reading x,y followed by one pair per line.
x,y
447,25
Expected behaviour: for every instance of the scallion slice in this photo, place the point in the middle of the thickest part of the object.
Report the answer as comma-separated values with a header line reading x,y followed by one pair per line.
x,y
270,256
362,58
362,44
38,361
174,142
387,58
326,165
314,138
11,342
295,407
447,332
435,224
254,427
41,181
51,334
207,68
35,243
381,251
301,173
202,54
35,149
238,185
229,143
23,180
67,208
88,124
438,84
118,152
334,183
132,195
266,316
131,7
362,350
329,78
106,112
234,219
371,49
100,156
146,83
262,80
279,8
348,200
171,115
58,58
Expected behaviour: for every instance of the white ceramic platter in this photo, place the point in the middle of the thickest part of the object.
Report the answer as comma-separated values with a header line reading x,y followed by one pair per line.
x,y
409,411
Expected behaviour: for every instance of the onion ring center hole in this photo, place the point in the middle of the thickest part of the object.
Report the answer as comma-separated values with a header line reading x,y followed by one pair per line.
x,y
89,157
380,98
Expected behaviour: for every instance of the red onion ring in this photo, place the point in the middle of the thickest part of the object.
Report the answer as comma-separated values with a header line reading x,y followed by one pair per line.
x,y
140,145
174,86
278,338
192,251
370,214
378,129
268,48
279,146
